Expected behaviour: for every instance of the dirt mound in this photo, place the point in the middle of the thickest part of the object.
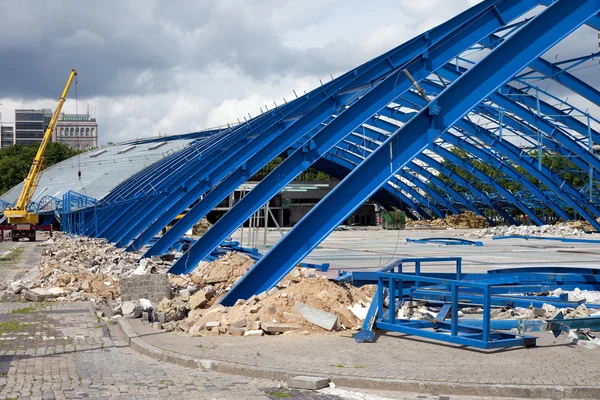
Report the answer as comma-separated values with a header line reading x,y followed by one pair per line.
x,y
466,220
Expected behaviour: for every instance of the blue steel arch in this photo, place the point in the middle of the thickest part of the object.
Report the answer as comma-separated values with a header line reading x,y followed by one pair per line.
x,y
361,100
390,85
484,24
499,66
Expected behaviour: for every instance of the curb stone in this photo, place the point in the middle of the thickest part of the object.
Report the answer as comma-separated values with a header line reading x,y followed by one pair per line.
x,y
430,387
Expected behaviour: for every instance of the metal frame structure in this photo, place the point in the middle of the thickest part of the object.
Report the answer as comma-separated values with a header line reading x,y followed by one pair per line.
x,y
388,128
452,291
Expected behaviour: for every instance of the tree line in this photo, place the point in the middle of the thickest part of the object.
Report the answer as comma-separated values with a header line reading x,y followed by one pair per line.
x,y
15,161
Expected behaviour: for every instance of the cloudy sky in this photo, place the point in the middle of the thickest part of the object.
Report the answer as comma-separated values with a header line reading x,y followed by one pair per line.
x,y
172,66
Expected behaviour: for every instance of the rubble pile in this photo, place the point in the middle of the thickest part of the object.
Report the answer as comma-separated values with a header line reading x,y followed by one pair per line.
x,y
301,302
558,230
466,220
81,269
418,310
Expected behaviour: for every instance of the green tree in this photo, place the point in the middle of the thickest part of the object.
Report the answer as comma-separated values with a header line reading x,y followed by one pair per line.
x,y
15,161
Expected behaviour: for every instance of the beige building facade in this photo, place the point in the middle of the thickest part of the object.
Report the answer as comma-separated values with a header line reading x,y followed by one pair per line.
x,y
78,131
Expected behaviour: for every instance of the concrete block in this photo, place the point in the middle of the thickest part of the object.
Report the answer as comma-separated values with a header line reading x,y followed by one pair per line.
x,y
234,331
161,317
321,318
307,382
153,287
157,325
209,325
254,332
30,295
277,328
240,324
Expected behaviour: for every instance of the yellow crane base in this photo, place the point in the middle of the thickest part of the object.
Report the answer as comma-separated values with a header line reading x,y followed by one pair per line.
x,y
20,217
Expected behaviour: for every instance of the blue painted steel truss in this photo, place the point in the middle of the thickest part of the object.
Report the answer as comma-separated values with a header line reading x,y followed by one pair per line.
x,y
387,141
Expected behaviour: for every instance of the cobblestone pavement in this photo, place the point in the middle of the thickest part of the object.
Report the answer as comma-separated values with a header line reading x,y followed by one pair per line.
x,y
60,351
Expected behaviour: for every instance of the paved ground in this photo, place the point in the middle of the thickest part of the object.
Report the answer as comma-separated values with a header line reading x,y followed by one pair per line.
x,y
61,351
368,250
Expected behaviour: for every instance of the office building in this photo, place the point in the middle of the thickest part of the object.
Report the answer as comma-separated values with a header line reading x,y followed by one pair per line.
x,y
30,125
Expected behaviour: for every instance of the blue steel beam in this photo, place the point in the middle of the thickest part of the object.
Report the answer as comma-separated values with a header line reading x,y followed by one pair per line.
x,y
181,165
350,161
567,193
392,86
378,137
352,143
391,201
486,179
459,180
215,158
497,68
567,144
379,97
487,156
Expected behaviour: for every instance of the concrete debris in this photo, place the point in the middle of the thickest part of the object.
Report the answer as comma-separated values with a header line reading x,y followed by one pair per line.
x,y
556,230
582,337
323,319
82,268
274,312
308,382
277,328
466,220
254,332
577,295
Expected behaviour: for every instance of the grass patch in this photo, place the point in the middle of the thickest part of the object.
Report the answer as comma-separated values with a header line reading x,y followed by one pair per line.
x,y
13,255
11,326
279,395
208,348
340,365
25,310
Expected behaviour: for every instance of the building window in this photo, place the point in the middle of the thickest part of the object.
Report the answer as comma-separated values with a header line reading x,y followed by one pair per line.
x,y
87,131
62,131
72,131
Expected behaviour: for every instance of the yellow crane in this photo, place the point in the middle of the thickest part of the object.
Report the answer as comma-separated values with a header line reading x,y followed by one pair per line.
x,y
25,223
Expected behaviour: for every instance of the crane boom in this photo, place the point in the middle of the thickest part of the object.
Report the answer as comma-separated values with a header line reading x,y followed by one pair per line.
x,y
19,214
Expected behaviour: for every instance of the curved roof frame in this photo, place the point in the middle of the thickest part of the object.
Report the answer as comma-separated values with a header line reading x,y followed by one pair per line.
x,y
502,64
481,25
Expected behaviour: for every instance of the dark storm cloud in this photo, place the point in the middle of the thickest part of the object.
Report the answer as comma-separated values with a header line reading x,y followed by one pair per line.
x,y
134,47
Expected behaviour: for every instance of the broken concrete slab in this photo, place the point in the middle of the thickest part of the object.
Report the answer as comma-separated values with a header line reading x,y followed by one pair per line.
x,y
277,328
254,332
197,300
308,382
323,319
211,325
240,324
234,331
